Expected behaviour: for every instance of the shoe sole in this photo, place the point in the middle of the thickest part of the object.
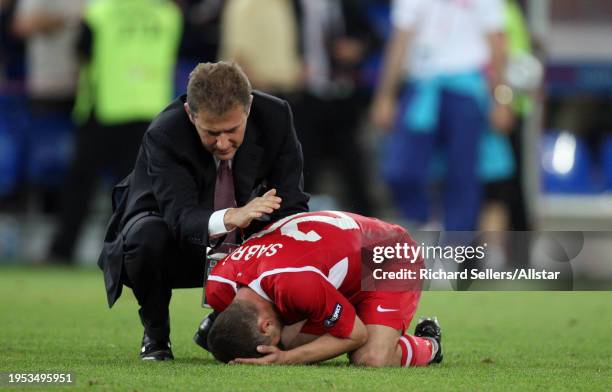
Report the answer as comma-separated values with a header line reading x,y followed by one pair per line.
x,y
152,357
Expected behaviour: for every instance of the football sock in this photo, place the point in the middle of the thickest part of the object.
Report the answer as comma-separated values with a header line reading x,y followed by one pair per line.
x,y
416,351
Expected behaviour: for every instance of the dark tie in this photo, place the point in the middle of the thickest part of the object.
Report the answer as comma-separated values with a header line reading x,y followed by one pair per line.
x,y
224,195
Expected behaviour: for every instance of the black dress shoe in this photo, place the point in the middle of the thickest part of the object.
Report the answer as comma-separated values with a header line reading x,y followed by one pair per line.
x,y
201,335
155,350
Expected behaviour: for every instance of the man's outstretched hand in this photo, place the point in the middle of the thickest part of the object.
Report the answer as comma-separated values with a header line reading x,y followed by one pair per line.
x,y
272,356
241,217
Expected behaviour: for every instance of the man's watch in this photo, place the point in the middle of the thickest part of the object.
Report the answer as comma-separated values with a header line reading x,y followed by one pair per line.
x,y
503,94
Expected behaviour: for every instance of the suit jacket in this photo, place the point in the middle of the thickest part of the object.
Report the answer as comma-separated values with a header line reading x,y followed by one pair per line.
x,y
175,176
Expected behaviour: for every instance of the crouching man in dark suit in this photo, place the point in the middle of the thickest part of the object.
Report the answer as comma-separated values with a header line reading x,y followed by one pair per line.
x,y
213,167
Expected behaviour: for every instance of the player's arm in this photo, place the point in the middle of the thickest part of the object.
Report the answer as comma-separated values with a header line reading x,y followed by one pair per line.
x,y
322,348
322,305
292,337
499,58
493,23
383,107
327,346
405,18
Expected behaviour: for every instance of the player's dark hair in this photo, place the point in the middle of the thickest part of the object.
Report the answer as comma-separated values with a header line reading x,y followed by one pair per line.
x,y
217,88
235,333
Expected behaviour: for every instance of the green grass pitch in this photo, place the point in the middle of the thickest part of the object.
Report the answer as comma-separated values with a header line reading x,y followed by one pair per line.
x,y
57,320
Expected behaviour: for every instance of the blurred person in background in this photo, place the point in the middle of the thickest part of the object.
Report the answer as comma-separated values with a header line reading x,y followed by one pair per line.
x,y
12,54
13,110
129,50
502,161
50,30
501,169
504,195
201,37
309,52
336,38
263,37
12,51
434,93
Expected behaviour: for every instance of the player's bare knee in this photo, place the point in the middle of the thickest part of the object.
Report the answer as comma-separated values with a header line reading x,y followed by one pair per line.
x,y
370,357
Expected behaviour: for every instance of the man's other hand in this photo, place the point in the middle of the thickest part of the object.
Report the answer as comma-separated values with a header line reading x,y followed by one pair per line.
x,y
256,208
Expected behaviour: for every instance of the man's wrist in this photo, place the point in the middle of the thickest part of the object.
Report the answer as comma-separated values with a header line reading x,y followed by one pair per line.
x,y
228,218
503,94
216,224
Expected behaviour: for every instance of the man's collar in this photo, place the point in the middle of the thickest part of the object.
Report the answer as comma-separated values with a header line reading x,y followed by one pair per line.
x,y
218,161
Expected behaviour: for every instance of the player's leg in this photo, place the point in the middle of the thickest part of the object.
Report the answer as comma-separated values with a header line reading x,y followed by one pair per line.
x,y
405,164
463,122
385,346
388,347
382,348
387,315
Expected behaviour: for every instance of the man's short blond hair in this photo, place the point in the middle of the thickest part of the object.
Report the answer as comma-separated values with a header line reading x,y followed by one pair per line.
x,y
217,88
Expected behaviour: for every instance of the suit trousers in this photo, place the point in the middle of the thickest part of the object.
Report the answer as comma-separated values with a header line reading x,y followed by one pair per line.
x,y
153,265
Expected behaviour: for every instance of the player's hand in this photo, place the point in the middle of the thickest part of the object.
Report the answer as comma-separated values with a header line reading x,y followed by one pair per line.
x,y
256,208
273,356
382,113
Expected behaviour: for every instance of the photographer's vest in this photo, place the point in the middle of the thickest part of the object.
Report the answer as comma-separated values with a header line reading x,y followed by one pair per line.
x,y
133,55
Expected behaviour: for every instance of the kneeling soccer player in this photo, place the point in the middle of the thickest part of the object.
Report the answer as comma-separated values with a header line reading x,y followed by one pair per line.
x,y
291,294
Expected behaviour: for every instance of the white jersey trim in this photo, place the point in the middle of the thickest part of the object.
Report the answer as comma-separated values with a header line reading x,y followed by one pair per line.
x,y
336,277
338,272
221,279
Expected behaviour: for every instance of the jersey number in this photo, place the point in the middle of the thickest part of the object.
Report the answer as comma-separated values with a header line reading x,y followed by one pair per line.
x,y
289,225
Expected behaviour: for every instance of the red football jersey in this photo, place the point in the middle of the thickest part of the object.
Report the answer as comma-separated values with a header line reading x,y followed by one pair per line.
x,y
308,265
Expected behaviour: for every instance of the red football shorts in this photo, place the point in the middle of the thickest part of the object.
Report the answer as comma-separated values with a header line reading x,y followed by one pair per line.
x,y
393,309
